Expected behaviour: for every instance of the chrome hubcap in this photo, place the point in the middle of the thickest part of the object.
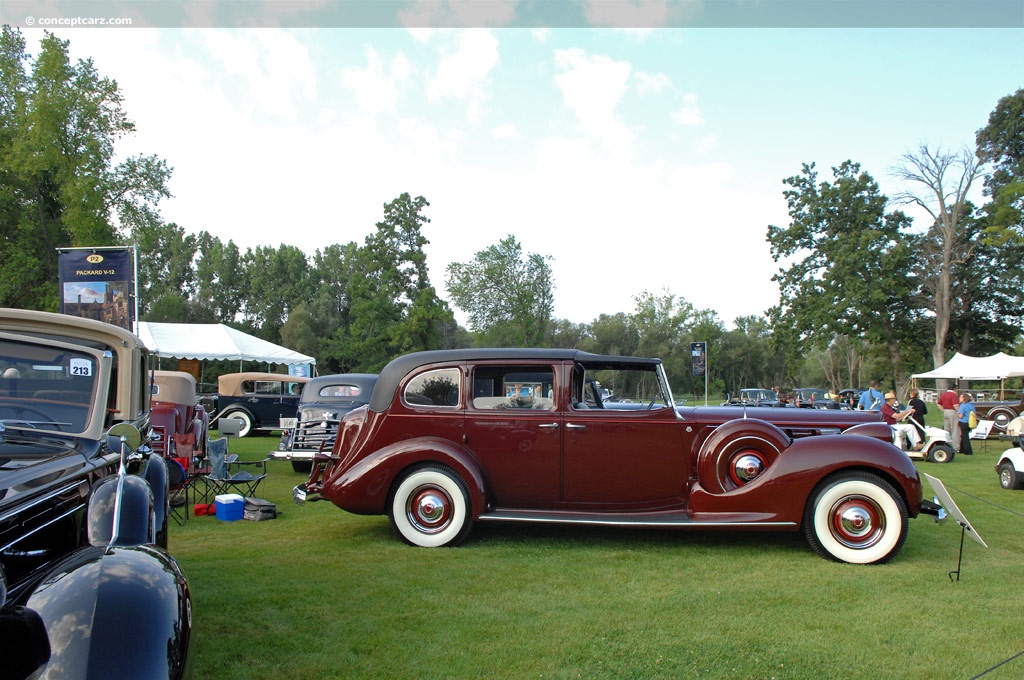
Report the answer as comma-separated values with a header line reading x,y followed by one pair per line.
x,y
429,510
857,522
747,468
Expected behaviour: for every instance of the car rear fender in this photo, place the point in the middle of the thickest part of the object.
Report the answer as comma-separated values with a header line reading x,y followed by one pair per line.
x,y
781,491
364,487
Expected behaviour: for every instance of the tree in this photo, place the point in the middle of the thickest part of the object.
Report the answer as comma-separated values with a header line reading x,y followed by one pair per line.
x,y
392,308
166,276
509,298
221,281
277,281
59,186
1001,143
849,264
945,180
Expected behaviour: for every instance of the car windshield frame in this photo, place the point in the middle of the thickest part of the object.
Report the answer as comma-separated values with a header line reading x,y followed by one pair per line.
x,y
30,387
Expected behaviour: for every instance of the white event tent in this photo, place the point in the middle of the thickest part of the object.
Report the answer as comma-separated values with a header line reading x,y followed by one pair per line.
x,y
213,341
962,367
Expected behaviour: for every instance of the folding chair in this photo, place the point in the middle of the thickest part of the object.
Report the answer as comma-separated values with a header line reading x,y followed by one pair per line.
x,y
221,480
177,485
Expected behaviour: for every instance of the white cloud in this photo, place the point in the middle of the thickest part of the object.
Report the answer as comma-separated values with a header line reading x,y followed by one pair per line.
x,y
689,114
272,66
375,89
464,69
652,83
505,131
592,87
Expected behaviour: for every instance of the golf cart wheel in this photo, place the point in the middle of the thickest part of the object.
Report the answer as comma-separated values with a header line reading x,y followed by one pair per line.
x,y
1008,477
941,453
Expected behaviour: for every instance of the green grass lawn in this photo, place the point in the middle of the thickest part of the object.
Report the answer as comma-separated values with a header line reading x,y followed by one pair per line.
x,y
320,593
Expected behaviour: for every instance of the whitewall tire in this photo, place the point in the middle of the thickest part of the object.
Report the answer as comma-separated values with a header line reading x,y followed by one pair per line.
x,y
430,508
856,517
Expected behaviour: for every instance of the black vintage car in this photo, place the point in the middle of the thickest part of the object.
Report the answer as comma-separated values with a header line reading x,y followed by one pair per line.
x,y
259,401
324,400
87,588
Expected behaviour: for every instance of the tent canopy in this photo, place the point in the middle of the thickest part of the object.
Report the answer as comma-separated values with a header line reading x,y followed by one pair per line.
x,y
962,367
214,341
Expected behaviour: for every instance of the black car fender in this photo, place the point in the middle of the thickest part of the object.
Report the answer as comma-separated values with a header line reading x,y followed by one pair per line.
x,y
98,598
121,512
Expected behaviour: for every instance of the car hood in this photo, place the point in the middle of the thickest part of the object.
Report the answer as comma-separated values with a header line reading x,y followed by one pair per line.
x,y
782,417
29,463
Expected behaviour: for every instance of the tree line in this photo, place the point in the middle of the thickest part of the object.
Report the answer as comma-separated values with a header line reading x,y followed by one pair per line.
x,y
864,295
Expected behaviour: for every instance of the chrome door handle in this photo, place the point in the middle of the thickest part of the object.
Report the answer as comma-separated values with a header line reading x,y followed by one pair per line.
x,y
548,426
574,426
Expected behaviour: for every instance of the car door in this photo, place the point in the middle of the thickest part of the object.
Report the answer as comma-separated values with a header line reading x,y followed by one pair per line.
x,y
622,455
514,430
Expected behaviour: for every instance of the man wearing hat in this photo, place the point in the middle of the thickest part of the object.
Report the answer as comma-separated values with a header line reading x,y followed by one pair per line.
x,y
897,420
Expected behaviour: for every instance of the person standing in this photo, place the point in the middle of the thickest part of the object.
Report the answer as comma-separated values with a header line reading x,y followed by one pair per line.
x,y
964,413
920,410
871,399
949,403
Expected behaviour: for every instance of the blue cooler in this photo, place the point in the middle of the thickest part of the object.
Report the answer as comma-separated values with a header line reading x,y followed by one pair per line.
x,y
229,507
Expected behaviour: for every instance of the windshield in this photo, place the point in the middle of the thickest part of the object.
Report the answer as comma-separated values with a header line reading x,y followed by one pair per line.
x,y
44,387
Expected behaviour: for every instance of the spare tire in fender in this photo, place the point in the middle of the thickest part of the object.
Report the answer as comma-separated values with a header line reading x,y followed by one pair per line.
x,y
737,452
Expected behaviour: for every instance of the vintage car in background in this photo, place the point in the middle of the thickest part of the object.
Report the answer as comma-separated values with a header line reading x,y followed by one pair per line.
x,y
455,437
180,426
753,396
999,412
257,400
848,398
324,400
813,397
87,589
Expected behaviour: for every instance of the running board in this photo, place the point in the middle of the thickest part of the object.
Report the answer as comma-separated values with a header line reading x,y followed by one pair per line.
x,y
668,521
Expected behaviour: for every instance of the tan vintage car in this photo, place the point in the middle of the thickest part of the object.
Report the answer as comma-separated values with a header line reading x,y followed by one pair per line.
x,y
257,400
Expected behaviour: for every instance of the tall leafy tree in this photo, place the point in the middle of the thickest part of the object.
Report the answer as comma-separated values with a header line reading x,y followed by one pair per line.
x,y
59,185
508,296
277,280
392,307
221,281
166,277
1001,143
847,264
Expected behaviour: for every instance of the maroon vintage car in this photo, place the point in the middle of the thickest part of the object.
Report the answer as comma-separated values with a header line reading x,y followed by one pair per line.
x,y
180,424
451,438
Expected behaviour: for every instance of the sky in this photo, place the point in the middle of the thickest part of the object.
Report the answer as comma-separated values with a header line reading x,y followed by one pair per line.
x,y
642,153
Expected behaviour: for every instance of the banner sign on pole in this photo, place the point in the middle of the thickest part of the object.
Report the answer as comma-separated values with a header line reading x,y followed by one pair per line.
x,y
98,284
698,353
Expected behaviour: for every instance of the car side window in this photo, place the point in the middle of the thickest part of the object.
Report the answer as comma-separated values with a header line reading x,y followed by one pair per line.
x,y
514,387
434,388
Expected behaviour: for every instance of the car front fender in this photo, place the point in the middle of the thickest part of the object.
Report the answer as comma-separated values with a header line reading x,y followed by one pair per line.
x,y
116,613
780,493
1014,456
363,488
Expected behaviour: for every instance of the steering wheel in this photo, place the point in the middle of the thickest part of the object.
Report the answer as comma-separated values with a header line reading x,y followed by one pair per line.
x,y
19,411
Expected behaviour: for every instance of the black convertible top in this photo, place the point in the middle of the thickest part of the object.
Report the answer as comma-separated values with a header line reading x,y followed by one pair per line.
x,y
392,374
